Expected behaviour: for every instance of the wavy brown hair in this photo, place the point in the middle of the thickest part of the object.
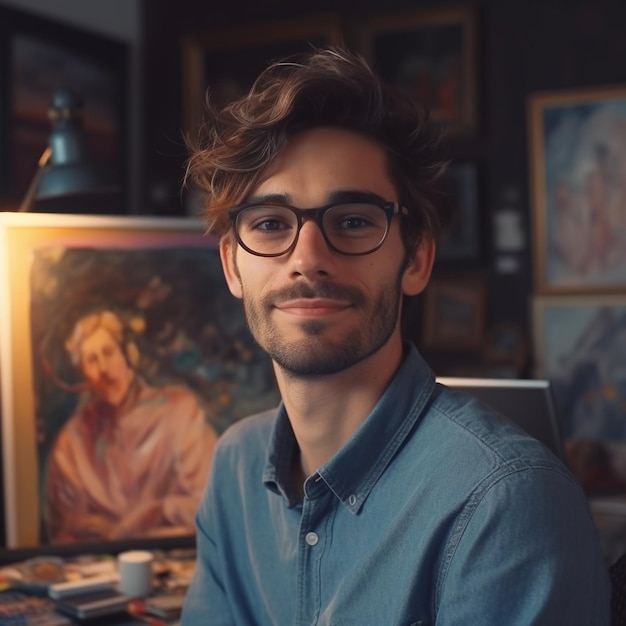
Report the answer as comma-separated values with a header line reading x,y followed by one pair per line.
x,y
326,87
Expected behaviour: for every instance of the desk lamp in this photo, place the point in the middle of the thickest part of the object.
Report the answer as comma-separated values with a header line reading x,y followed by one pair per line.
x,y
67,180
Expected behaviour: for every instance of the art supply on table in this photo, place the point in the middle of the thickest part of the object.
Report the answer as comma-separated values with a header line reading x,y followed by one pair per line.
x,y
135,573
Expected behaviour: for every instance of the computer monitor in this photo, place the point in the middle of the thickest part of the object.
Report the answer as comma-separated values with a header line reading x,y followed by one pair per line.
x,y
529,403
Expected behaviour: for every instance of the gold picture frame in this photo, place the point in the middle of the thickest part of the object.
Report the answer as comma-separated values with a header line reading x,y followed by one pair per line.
x,y
577,166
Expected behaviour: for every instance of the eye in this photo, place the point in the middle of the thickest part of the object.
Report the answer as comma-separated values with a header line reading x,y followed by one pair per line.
x,y
269,224
355,218
353,222
266,219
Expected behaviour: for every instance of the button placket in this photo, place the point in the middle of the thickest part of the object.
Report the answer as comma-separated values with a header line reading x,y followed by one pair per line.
x,y
316,510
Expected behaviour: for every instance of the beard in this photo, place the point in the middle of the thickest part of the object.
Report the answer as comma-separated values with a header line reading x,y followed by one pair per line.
x,y
314,355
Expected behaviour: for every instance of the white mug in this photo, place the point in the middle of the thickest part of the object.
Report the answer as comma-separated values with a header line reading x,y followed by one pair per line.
x,y
135,572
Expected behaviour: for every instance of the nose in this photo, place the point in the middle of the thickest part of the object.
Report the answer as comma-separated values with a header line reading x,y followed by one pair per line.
x,y
311,255
102,365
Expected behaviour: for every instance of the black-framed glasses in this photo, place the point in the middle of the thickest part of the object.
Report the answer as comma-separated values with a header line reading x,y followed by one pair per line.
x,y
353,228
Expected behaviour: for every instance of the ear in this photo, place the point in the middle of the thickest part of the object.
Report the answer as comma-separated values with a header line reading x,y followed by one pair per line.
x,y
228,249
417,273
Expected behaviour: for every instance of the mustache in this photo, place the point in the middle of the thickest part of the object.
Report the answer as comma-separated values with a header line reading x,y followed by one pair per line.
x,y
104,381
315,290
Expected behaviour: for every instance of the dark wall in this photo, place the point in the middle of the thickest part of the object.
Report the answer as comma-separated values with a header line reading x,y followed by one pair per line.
x,y
523,46
166,23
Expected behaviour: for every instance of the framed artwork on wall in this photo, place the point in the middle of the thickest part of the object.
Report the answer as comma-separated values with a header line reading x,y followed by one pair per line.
x,y
103,317
226,61
431,55
454,312
38,57
578,190
579,345
463,241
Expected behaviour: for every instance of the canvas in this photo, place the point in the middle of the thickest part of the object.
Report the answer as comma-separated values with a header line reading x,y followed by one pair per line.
x,y
147,295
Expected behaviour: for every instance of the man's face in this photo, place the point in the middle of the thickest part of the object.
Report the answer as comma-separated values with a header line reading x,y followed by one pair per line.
x,y
105,367
315,311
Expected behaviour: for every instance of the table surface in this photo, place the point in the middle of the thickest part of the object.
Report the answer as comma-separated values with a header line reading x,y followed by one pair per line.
x,y
24,588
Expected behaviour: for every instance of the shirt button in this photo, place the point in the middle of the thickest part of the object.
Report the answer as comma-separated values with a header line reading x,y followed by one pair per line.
x,y
311,538
352,500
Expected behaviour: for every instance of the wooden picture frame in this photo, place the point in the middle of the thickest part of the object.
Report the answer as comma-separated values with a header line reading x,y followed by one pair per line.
x,y
39,56
182,330
577,154
454,312
226,61
431,55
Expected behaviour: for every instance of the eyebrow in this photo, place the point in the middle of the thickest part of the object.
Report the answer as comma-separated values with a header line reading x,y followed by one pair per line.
x,y
340,195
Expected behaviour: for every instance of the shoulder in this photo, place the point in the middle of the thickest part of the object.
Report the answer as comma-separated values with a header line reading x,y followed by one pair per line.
x,y
241,454
169,395
480,433
480,452
252,432
498,472
508,490
74,428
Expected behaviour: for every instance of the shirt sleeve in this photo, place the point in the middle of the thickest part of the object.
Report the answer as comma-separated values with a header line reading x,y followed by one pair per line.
x,y
525,552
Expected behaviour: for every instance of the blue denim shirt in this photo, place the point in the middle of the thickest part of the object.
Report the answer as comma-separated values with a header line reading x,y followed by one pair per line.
x,y
436,511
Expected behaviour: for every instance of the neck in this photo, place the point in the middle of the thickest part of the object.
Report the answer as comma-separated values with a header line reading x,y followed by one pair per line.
x,y
325,411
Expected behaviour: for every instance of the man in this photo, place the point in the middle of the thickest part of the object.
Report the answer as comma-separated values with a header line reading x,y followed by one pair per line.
x,y
133,459
372,495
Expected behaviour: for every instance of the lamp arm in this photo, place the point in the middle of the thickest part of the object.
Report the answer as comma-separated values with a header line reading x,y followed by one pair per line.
x,y
29,197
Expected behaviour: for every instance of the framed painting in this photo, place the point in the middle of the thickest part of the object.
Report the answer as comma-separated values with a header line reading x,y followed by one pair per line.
x,y
463,241
432,56
225,62
118,339
39,56
454,312
579,345
578,188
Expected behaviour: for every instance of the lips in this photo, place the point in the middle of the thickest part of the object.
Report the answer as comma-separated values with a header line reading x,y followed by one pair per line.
x,y
313,307
314,299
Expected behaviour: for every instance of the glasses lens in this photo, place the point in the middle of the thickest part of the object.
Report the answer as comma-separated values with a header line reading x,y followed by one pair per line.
x,y
355,228
267,229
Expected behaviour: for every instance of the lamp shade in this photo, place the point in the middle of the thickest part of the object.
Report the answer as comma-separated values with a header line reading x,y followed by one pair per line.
x,y
70,181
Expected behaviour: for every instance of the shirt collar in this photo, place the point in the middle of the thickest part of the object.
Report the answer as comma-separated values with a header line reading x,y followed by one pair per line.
x,y
280,456
353,471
